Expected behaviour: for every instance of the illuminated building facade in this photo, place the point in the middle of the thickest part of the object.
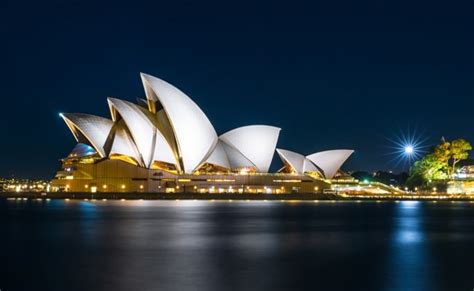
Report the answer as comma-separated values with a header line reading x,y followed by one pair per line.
x,y
463,182
165,143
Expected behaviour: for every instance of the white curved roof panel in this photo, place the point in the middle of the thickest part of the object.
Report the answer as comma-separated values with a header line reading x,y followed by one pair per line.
x,y
140,126
219,156
123,144
94,128
236,159
292,159
163,151
194,133
298,163
330,161
308,166
256,142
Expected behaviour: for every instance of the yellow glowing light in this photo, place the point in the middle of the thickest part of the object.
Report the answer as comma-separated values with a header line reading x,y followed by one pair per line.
x,y
104,186
244,171
123,186
287,181
220,180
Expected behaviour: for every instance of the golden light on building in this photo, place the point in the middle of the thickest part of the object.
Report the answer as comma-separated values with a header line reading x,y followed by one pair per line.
x,y
183,148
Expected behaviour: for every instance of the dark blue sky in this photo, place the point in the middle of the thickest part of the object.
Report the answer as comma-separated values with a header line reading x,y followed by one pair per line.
x,y
331,74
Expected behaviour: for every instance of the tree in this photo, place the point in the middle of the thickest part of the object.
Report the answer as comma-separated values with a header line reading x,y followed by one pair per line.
x,y
440,163
459,151
442,151
430,167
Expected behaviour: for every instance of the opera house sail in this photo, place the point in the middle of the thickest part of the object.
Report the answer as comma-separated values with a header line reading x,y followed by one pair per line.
x,y
165,143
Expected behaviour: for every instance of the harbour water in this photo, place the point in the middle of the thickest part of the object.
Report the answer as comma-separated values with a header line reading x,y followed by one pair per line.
x,y
236,245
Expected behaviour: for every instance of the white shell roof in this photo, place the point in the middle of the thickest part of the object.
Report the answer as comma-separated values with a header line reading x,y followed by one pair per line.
x,y
219,156
94,128
123,145
294,160
256,142
236,159
175,130
330,161
297,162
194,132
308,166
163,152
139,125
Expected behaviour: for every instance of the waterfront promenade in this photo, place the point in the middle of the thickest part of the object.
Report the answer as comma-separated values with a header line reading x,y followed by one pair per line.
x,y
235,196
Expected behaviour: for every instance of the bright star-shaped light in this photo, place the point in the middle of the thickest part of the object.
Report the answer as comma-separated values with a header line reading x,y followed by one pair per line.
x,y
409,149
406,148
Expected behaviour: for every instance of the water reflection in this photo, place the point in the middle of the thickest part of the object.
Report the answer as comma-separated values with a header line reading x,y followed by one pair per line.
x,y
408,229
408,253
204,245
89,221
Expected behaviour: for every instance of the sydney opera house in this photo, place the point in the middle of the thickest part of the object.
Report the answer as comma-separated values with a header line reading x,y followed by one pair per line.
x,y
165,143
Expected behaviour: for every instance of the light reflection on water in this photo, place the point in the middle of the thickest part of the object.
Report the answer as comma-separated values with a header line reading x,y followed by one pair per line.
x,y
408,256
239,245
408,220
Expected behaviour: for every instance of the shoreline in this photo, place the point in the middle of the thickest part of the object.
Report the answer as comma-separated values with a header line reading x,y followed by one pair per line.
x,y
231,196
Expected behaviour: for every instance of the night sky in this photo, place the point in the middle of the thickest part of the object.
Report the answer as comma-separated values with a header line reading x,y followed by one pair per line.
x,y
331,74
